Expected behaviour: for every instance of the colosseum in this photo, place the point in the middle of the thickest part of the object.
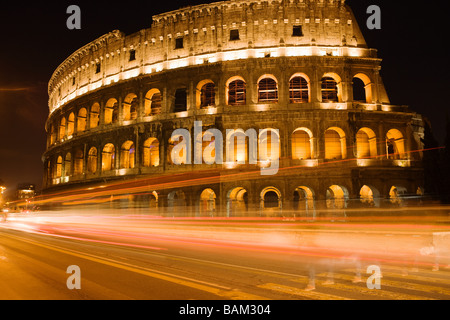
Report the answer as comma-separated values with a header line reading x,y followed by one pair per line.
x,y
298,74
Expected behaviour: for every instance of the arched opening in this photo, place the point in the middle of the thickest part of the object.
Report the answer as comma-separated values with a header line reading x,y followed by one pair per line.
x,y
207,205
269,145
127,155
369,196
62,128
53,134
395,144
330,88
94,116
397,194
111,111
151,153
298,89
206,94
359,91
179,155
362,88
237,202
58,170
146,200
366,143
302,147
176,201
153,200
237,146
108,157
70,124
153,102
267,90
270,198
180,104
130,107
236,93
92,160
208,147
303,201
82,120
336,197
68,164
78,163
335,145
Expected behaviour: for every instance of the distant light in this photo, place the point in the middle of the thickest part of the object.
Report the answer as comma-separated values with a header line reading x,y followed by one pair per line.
x,y
230,165
211,110
362,162
181,114
264,163
402,163
262,107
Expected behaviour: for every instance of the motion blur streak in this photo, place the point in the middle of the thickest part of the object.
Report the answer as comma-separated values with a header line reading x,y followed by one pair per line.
x,y
412,241
35,227
101,193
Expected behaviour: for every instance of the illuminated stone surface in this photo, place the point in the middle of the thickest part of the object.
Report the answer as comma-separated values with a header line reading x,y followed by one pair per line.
x,y
302,67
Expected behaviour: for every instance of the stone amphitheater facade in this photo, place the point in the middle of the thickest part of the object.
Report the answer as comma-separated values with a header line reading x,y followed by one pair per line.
x,y
297,69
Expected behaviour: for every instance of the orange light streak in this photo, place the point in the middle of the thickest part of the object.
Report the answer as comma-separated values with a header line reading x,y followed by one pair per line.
x,y
146,184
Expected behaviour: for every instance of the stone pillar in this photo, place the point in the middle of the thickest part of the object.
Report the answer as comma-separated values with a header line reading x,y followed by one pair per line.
x,y
137,151
321,140
85,160
316,87
102,113
120,116
88,118
381,141
141,111
99,161
251,86
191,98
283,88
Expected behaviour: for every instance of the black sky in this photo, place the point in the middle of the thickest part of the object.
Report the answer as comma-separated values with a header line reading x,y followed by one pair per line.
x,y
35,40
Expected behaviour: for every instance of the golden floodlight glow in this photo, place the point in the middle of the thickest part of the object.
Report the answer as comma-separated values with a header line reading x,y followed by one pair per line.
x,y
230,55
312,82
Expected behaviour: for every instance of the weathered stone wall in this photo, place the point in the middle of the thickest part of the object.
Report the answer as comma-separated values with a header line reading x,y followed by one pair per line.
x,y
265,49
327,27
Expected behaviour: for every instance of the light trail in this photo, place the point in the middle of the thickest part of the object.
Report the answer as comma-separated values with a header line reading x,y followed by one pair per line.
x,y
385,243
148,184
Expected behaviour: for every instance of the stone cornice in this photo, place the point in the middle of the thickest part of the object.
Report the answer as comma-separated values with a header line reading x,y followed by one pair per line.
x,y
223,4
77,55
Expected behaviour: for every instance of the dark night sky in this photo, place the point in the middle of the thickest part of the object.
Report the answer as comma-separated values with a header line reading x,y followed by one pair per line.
x,y
35,40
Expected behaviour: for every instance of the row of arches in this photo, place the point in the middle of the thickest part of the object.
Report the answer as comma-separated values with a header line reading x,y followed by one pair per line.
x,y
105,159
304,201
366,144
83,120
240,149
205,97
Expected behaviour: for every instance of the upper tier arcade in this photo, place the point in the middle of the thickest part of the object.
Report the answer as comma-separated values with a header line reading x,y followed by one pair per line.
x,y
209,33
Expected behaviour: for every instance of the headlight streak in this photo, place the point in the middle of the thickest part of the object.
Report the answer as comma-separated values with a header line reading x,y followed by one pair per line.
x,y
39,230
150,184
364,242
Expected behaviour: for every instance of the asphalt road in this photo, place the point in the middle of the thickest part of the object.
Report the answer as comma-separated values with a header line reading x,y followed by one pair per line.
x,y
136,257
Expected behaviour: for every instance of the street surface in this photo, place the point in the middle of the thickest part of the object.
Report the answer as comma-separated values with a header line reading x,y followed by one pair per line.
x,y
124,255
